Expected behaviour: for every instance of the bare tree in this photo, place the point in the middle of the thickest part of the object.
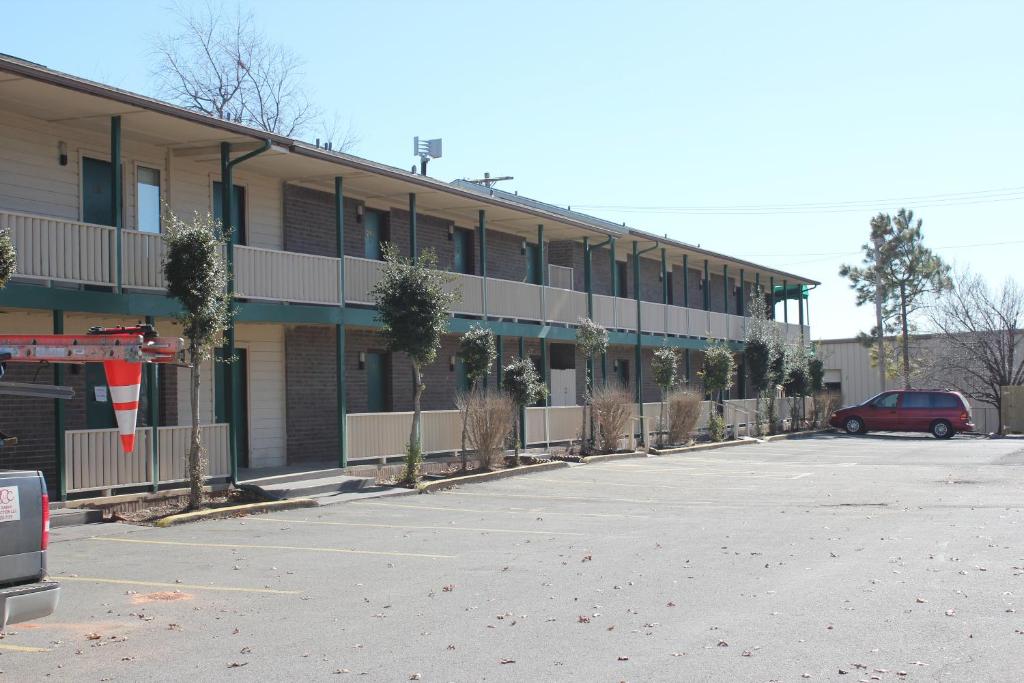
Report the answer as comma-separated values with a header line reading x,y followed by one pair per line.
x,y
219,63
980,345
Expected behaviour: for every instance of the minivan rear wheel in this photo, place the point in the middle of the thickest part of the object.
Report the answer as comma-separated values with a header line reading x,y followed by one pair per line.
x,y
942,429
853,425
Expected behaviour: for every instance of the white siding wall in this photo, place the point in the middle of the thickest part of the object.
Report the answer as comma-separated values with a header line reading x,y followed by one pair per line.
x,y
265,347
32,180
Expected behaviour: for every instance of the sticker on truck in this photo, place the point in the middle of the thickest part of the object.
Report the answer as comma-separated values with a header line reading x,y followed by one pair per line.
x,y
10,511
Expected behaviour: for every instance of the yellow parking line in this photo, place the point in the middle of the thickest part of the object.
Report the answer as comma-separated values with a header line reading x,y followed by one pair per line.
x,y
179,586
513,511
281,520
272,547
21,648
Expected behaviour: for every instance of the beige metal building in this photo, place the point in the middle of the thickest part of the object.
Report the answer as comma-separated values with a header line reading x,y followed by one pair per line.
x,y
850,371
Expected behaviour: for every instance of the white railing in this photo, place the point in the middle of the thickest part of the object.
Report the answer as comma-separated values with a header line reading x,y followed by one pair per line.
x,y
560,277
142,261
58,249
520,300
94,460
604,310
285,276
563,306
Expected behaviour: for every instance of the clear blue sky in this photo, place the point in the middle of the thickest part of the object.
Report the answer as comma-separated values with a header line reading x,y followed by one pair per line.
x,y
660,104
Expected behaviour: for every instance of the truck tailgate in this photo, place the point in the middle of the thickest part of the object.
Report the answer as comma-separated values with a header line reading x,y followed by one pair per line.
x,y
21,519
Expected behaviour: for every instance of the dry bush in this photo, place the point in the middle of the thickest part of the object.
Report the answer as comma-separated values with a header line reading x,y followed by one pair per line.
x,y
613,411
683,415
825,403
491,416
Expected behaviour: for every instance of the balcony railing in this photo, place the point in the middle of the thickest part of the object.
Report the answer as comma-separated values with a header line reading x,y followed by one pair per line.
x,y
51,249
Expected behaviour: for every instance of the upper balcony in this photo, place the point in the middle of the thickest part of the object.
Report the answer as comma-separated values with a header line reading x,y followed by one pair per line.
x,y
73,252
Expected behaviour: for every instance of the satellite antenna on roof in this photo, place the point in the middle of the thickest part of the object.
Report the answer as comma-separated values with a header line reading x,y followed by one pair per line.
x,y
426,150
488,181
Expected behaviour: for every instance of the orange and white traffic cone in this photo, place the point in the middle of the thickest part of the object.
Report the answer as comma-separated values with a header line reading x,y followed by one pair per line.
x,y
124,379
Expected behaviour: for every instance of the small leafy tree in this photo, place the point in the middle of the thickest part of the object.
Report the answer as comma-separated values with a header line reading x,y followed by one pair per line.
x,y
413,308
664,367
8,258
524,387
797,381
591,340
477,352
718,373
197,277
761,349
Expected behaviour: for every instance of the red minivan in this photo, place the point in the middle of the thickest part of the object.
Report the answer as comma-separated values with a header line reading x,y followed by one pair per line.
x,y
943,413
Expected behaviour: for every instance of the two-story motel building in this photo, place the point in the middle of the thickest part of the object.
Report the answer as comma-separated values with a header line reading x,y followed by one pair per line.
x,y
87,175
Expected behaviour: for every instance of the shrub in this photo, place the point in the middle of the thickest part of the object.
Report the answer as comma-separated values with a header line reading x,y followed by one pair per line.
x,y
716,426
491,417
683,415
613,410
8,258
413,463
524,386
825,403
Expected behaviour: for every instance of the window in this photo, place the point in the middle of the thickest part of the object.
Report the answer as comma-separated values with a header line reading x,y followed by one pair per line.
x,y
237,211
946,401
917,399
622,280
147,199
887,401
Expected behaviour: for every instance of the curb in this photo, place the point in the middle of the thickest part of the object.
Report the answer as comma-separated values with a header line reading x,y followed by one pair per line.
x,y
218,513
612,456
705,447
432,486
793,435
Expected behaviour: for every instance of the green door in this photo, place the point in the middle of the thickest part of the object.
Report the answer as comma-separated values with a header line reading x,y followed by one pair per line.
x,y
622,374
461,378
533,270
376,394
99,410
462,252
237,211
220,412
97,192
371,236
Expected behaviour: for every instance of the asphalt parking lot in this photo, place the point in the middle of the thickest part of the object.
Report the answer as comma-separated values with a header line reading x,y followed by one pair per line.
x,y
887,558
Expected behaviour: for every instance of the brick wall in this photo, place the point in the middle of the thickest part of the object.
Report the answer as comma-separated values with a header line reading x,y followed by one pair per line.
x,y
31,421
311,398
309,223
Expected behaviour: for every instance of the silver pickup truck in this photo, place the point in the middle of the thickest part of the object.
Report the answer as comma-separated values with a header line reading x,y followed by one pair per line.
x,y
24,536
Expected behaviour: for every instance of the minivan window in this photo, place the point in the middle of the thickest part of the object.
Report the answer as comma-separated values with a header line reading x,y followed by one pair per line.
x,y
914,399
945,401
887,401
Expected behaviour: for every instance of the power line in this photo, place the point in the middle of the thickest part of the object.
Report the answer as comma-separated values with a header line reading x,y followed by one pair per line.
x,y
920,201
828,255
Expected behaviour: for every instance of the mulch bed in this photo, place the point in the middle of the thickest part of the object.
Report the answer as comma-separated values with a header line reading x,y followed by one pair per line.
x,y
148,515
454,470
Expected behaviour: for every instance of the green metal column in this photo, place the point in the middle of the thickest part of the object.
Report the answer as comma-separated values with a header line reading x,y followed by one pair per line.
x,y
587,278
686,281
339,226
543,265
153,416
686,359
725,288
638,352
58,415
757,283
522,409
707,287
229,374
741,306
499,366
615,271
413,252
785,301
771,296
116,192
664,276
482,228
800,313
233,390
